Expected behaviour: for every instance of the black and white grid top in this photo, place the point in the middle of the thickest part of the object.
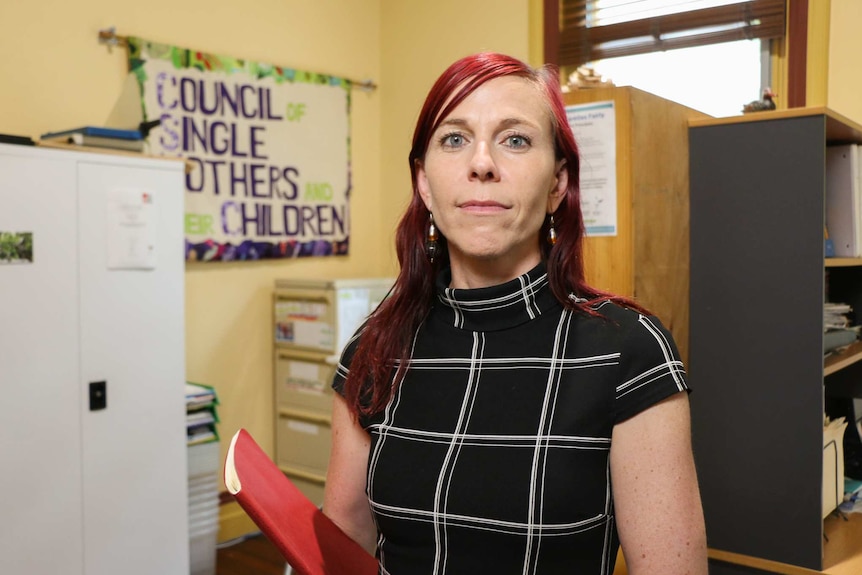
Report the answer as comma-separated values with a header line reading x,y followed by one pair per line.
x,y
493,455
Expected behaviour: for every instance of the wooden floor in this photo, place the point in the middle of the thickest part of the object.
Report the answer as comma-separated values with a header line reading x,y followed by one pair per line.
x,y
251,556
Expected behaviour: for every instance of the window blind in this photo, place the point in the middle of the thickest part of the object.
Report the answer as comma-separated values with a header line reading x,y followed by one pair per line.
x,y
597,29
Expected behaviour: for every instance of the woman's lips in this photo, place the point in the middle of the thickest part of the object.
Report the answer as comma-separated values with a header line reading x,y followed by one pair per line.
x,y
478,206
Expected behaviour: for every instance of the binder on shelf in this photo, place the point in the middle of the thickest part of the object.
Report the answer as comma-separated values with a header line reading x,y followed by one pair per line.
x,y
844,199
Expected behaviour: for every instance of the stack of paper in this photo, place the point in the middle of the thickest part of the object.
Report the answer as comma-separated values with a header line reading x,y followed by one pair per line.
x,y
837,331
835,315
833,463
201,414
203,465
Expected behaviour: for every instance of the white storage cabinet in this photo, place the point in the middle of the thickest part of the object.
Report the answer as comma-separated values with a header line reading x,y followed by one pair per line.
x,y
89,490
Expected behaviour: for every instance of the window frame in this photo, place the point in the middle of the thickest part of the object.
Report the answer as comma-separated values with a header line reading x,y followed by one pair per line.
x,y
794,44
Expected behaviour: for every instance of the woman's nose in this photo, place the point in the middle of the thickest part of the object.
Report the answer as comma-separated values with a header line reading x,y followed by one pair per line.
x,y
482,165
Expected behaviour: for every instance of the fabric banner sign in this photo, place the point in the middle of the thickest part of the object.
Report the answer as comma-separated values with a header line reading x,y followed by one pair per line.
x,y
269,149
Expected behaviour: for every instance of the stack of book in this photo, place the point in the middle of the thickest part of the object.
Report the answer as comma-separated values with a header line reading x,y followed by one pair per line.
x,y
203,465
97,137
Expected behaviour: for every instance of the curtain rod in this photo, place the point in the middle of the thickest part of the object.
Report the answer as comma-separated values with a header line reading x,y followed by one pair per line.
x,y
110,37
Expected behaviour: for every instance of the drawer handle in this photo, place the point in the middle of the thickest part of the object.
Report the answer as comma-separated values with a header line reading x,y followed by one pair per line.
x,y
313,477
300,299
310,357
305,416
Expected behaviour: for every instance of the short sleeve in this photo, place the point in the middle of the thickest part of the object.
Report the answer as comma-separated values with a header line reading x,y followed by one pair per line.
x,y
342,368
650,368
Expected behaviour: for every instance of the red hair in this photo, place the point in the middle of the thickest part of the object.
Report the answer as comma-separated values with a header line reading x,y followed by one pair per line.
x,y
389,331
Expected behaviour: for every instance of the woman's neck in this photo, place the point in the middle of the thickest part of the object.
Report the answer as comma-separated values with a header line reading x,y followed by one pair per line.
x,y
477,273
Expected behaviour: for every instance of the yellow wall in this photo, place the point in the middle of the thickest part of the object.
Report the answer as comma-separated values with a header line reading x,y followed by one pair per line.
x,y
833,77
844,69
817,56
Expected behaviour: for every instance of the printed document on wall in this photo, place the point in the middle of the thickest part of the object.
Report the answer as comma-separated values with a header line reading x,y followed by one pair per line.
x,y
131,229
594,125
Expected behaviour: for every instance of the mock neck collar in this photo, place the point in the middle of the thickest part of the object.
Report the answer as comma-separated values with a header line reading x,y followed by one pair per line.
x,y
498,307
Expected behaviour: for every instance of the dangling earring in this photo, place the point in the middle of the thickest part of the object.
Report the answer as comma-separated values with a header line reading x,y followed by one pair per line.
x,y
431,245
552,232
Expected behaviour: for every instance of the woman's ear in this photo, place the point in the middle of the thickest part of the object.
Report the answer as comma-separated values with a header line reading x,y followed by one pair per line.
x,y
422,185
561,186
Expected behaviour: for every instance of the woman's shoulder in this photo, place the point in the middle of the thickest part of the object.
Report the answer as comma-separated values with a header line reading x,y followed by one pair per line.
x,y
605,309
614,320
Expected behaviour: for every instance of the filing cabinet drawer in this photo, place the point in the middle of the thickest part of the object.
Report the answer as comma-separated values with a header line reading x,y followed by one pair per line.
x,y
303,441
305,319
321,315
304,382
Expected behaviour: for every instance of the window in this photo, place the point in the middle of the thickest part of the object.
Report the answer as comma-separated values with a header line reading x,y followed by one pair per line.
x,y
598,29
716,79
711,55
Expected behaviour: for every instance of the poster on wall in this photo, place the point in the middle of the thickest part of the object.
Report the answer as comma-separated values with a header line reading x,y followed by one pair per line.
x,y
594,126
268,149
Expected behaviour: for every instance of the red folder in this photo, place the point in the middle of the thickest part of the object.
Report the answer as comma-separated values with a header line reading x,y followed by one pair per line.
x,y
310,542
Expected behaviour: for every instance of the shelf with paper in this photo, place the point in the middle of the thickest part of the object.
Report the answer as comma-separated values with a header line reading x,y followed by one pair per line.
x,y
842,280
201,414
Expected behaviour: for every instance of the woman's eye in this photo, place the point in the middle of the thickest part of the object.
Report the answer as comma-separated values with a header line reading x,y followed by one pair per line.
x,y
517,141
452,140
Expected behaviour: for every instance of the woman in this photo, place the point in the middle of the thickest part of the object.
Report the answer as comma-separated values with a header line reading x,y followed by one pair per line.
x,y
496,414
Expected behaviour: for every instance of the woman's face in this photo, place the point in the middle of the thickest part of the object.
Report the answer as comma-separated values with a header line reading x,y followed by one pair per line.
x,y
490,177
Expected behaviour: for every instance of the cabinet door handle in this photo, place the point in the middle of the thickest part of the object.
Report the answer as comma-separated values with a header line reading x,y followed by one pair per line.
x,y
98,395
